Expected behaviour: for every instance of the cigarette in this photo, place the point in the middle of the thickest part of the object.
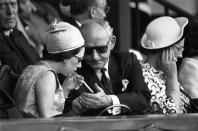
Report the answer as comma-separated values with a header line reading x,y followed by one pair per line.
x,y
87,86
81,79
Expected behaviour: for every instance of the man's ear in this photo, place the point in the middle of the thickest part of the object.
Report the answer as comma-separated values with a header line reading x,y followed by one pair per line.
x,y
92,12
65,61
113,41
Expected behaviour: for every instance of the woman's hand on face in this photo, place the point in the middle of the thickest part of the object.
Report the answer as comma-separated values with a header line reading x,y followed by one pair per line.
x,y
168,62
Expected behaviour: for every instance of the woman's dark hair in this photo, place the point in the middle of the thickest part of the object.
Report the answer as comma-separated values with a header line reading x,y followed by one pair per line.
x,y
58,57
149,51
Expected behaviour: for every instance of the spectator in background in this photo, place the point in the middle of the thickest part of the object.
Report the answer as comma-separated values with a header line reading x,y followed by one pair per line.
x,y
35,17
38,92
115,77
163,44
82,10
188,71
64,6
14,48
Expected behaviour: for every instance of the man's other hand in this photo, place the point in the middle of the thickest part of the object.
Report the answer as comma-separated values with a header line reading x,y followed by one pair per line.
x,y
97,100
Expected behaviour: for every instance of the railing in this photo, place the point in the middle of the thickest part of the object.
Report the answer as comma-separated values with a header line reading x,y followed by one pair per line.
x,y
187,122
169,6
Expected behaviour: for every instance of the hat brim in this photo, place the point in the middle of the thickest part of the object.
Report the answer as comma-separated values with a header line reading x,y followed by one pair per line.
x,y
182,22
80,45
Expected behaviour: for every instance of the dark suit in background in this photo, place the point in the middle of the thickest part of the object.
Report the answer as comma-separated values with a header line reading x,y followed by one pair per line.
x,y
71,20
16,52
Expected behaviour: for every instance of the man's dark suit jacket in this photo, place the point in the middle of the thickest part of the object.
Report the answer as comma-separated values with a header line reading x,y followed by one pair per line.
x,y
71,21
16,52
121,66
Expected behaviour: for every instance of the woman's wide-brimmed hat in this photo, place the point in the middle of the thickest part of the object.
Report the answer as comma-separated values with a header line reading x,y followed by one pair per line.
x,y
163,32
62,37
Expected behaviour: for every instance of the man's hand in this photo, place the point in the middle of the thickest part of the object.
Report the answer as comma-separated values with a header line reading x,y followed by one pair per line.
x,y
77,107
97,100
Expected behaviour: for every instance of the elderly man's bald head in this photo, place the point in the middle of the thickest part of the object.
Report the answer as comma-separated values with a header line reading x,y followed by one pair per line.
x,y
96,28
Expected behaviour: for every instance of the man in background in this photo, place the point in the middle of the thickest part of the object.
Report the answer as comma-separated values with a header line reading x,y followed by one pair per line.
x,y
82,10
14,48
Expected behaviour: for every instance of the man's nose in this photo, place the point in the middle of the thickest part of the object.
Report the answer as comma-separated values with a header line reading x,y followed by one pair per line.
x,y
95,55
103,16
79,65
180,55
9,10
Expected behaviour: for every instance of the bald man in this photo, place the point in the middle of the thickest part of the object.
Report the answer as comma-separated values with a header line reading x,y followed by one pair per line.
x,y
123,75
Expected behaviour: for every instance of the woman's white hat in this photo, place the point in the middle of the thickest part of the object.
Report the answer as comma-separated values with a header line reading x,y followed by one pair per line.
x,y
163,32
62,37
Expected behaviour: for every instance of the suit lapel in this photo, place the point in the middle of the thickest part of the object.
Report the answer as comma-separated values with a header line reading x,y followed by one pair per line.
x,y
13,46
21,45
29,53
91,78
115,73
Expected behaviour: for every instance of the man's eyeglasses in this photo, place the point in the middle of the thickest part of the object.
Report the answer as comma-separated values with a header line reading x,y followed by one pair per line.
x,y
105,8
79,58
99,49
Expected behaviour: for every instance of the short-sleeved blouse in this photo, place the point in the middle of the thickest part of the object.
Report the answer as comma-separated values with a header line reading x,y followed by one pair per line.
x,y
25,94
160,103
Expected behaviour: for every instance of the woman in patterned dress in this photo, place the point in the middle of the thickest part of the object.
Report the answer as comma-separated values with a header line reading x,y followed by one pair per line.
x,y
38,92
162,44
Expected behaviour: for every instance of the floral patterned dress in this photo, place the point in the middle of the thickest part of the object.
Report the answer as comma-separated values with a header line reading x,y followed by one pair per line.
x,y
160,103
25,94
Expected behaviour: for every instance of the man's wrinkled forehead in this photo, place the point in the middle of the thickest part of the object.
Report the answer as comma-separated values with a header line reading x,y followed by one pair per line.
x,y
101,2
7,1
93,28
94,33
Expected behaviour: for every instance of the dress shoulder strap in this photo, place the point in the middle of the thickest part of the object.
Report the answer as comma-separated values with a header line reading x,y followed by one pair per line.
x,y
43,63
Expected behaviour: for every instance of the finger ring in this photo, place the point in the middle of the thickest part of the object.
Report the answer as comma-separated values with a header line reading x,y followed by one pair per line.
x,y
77,88
175,59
